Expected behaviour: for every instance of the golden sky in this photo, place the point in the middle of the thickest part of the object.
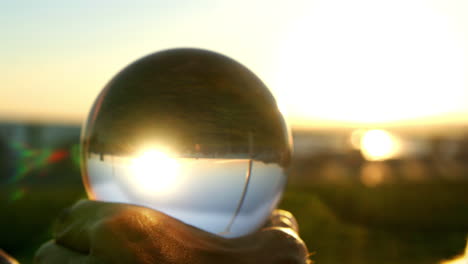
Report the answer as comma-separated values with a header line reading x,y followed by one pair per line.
x,y
326,61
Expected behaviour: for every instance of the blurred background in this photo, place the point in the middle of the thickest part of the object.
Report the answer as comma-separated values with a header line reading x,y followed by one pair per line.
x,y
376,94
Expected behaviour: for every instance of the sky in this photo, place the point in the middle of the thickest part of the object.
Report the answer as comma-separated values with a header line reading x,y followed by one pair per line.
x,y
328,62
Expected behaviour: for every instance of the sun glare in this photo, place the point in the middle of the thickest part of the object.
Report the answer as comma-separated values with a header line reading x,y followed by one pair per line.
x,y
378,144
376,59
155,172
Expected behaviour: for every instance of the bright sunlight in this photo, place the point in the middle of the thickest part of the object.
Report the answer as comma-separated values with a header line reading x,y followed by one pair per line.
x,y
378,144
155,172
367,62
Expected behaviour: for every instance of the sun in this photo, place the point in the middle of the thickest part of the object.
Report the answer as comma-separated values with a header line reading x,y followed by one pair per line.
x,y
154,172
378,144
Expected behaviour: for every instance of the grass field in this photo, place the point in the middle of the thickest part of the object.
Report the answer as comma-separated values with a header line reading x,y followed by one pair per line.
x,y
406,223
389,224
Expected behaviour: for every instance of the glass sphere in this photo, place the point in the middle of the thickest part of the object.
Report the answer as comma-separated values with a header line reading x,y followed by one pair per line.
x,y
190,133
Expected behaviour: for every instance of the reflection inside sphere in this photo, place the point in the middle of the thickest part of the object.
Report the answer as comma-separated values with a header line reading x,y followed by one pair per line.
x,y
193,134
154,172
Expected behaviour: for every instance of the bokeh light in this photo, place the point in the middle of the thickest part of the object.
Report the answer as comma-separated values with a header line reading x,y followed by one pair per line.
x,y
379,144
374,174
31,162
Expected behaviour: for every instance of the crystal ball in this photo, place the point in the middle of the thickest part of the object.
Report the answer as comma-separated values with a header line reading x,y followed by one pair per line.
x,y
193,134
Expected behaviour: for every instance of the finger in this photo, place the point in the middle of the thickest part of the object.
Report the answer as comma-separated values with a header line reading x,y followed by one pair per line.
x,y
283,218
282,245
273,245
68,229
105,228
132,234
120,232
75,225
51,253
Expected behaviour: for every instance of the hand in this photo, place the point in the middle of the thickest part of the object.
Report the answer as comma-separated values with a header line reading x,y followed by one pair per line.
x,y
98,232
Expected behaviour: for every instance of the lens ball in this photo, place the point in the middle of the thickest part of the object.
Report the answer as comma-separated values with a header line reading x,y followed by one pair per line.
x,y
193,134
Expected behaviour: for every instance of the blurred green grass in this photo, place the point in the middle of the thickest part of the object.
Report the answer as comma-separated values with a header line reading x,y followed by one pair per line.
x,y
26,223
405,223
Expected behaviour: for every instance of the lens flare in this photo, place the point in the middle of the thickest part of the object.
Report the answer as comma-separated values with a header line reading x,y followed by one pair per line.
x,y
27,162
17,194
